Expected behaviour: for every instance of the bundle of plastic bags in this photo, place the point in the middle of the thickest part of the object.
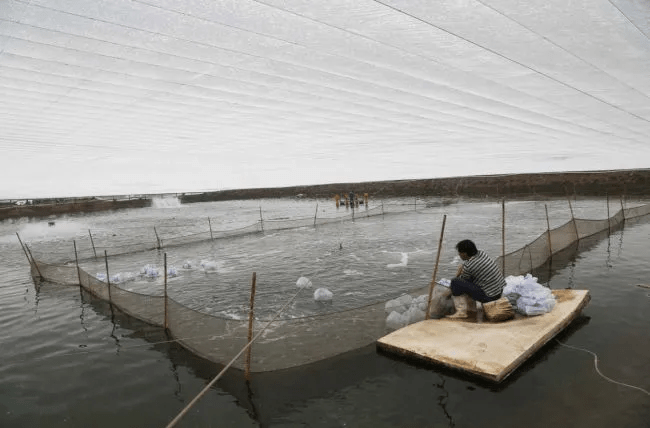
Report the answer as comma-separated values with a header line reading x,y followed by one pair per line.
x,y
405,310
528,296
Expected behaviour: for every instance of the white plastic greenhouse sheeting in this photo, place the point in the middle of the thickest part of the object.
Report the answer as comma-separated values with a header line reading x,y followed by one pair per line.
x,y
270,85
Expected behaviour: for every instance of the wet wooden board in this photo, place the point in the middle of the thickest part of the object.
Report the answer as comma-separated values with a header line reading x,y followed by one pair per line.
x,y
489,350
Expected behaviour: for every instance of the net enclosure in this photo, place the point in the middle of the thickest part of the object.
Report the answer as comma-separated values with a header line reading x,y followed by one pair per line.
x,y
295,341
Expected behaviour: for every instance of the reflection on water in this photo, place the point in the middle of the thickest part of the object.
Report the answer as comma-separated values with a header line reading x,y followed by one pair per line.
x,y
70,359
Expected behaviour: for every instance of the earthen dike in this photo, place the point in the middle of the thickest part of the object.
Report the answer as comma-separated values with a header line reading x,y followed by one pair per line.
x,y
629,183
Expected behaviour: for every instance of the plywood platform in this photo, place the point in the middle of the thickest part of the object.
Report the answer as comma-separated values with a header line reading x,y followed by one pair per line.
x,y
489,350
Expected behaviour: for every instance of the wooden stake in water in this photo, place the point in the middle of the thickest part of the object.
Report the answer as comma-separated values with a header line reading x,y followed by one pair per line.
x,y
30,257
92,243
108,278
609,223
24,250
315,214
261,220
157,238
40,275
622,207
210,224
76,259
250,327
435,269
503,236
165,292
573,219
548,230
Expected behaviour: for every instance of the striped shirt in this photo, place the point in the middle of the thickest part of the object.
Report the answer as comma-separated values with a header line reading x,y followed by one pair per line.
x,y
484,272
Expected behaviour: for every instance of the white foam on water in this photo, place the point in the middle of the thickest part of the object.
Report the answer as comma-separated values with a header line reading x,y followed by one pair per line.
x,y
403,262
42,231
166,202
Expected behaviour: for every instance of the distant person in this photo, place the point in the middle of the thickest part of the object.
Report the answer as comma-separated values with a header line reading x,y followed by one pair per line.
x,y
478,278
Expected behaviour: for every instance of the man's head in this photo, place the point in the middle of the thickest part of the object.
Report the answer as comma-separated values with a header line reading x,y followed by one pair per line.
x,y
466,249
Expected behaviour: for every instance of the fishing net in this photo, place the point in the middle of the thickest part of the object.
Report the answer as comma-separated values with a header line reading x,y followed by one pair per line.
x,y
286,342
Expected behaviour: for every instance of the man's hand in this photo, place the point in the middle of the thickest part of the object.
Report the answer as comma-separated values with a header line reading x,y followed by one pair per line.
x,y
459,271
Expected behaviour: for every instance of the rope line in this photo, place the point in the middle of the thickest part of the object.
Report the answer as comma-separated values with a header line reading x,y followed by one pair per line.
x,y
213,381
598,370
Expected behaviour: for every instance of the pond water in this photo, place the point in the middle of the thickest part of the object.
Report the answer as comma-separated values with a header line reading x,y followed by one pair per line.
x,y
70,359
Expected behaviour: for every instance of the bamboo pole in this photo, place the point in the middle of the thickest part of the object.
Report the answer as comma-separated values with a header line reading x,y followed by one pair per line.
x,y
622,207
165,293
40,275
157,238
315,214
435,269
548,230
108,277
609,222
210,224
92,243
573,219
261,219
24,250
76,259
30,258
503,236
250,327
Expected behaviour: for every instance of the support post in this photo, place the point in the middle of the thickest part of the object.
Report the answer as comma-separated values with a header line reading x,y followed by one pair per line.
x,y
108,277
622,208
76,260
503,236
92,243
609,222
157,238
573,219
261,219
24,250
40,275
435,269
548,230
165,293
210,224
250,327
315,214
415,204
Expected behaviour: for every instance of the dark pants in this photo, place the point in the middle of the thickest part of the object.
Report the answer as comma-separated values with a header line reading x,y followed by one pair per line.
x,y
460,286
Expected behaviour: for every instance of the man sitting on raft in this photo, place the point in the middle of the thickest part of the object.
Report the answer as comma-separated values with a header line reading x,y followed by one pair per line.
x,y
478,279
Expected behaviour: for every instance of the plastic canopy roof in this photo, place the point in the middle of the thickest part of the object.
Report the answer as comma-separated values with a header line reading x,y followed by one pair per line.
x,y
144,96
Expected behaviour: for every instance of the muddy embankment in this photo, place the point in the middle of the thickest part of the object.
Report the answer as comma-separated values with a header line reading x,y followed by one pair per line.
x,y
514,186
40,209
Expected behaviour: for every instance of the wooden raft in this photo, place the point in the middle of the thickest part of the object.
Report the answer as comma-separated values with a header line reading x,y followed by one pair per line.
x,y
489,350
